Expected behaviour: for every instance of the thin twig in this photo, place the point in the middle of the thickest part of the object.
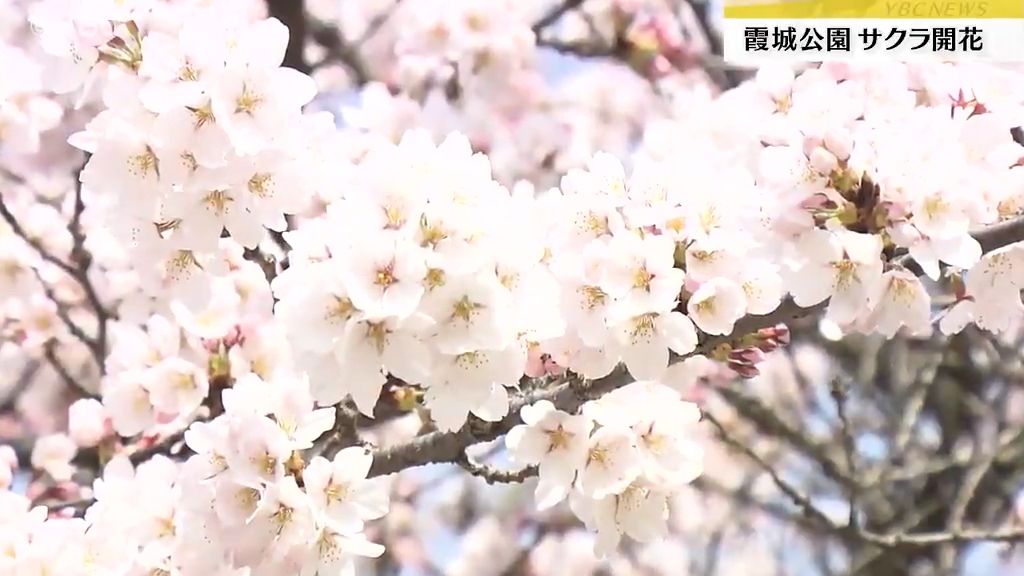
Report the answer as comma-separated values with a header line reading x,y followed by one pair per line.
x,y
24,381
554,15
62,371
493,475
802,501
839,396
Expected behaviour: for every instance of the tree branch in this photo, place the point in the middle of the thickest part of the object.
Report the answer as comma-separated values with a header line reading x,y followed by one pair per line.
x,y
493,475
78,270
802,501
447,447
292,13
554,15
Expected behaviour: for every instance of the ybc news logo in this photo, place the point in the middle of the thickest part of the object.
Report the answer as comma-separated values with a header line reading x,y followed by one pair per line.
x,y
820,30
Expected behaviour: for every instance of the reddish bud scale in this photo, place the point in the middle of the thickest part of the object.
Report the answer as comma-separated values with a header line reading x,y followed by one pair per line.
x,y
236,337
744,370
747,355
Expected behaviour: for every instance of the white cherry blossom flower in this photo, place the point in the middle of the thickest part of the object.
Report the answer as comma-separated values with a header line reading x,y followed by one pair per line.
x,y
639,511
644,341
385,277
473,382
341,490
901,301
844,266
717,305
612,463
554,440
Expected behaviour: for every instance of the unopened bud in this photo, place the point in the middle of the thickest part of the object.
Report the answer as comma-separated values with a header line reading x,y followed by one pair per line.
x,y
744,370
778,335
747,355
823,161
839,142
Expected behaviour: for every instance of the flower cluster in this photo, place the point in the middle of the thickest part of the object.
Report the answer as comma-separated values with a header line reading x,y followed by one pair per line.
x,y
252,502
202,131
430,276
843,191
159,374
469,38
618,461
236,506
451,269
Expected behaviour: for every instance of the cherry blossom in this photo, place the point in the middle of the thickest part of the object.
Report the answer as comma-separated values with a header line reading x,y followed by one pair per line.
x,y
248,295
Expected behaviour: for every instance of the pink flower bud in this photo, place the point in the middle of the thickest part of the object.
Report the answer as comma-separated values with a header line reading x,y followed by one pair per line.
x,y
773,337
87,422
823,161
839,143
745,370
6,477
747,355
781,334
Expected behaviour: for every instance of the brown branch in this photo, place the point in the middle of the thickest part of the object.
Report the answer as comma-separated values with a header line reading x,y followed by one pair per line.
x,y
554,15
339,49
266,262
83,259
726,77
802,501
376,24
50,354
162,446
900,540
493,475
839,396
28,373
292,13
771,424
35,244
78,270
